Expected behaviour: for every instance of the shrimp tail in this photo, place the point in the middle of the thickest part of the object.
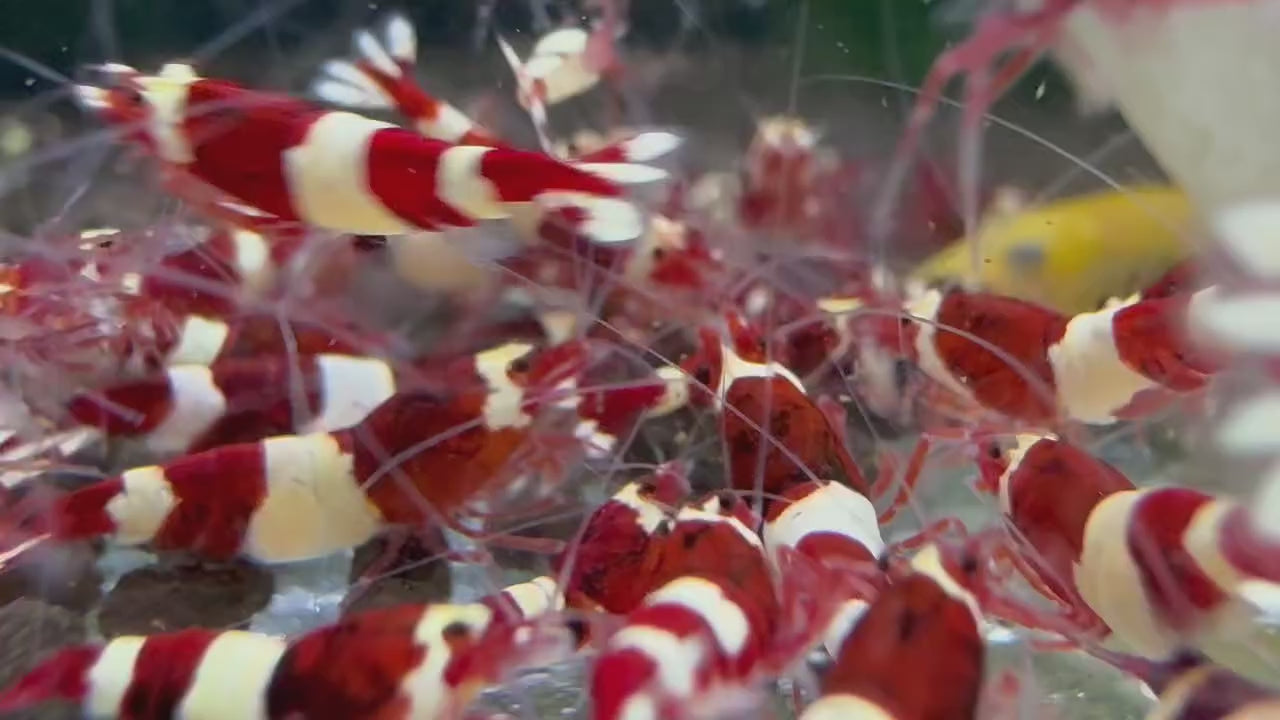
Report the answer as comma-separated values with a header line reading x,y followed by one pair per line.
x,y
530,95
65,676
380,76
373,78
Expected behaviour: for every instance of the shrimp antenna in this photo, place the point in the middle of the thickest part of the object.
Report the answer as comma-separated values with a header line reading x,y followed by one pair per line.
x,y
35,66
797,63
234,34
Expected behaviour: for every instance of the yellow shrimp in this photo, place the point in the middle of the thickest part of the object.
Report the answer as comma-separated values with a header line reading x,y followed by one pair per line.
x,y
1074,254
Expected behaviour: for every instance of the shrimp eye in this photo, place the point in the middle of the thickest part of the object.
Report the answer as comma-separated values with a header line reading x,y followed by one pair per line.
x,y
455,631
703,375
578,628
366,243
130,96
994,452
519,365
659,254
969,564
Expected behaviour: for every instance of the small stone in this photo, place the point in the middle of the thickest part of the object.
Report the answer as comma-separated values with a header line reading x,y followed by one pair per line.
x,y
414,575
160,598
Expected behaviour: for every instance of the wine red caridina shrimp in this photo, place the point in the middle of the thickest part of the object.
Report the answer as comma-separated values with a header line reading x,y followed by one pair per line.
x,y
1150,571
1031,364
408,661
422,456
289,160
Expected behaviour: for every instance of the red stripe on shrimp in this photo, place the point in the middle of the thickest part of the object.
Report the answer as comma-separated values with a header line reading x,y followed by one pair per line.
x,y
190,408
689,635
191,673
915,623
281,499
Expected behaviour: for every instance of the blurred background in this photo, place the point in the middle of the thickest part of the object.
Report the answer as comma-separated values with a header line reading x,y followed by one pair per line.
x,y
711,67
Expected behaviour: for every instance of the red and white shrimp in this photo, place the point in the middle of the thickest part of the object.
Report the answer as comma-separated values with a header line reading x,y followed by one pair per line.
x,y
663,255
609,567
715,537
26,282
789,182
711,628
341,171
640,538
203,340
669,276
837,532
794,188
191,408
916,653
777,172
445,454
409,661
108,310
563,64
705,635
218,267
381,78
689,638
1033,365
1154,569
99,337
764,411
776,187
832,532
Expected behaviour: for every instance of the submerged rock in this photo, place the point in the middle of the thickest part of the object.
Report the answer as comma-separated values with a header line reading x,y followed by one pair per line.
x,y
160,598
414,575
31,631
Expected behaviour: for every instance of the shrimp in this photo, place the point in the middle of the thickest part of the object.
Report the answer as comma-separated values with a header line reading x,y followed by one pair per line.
x,y
295,497
757,398
339,171
381,78
1149,570
1036,366
713,624
609,568
409,661
917,624
189,408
